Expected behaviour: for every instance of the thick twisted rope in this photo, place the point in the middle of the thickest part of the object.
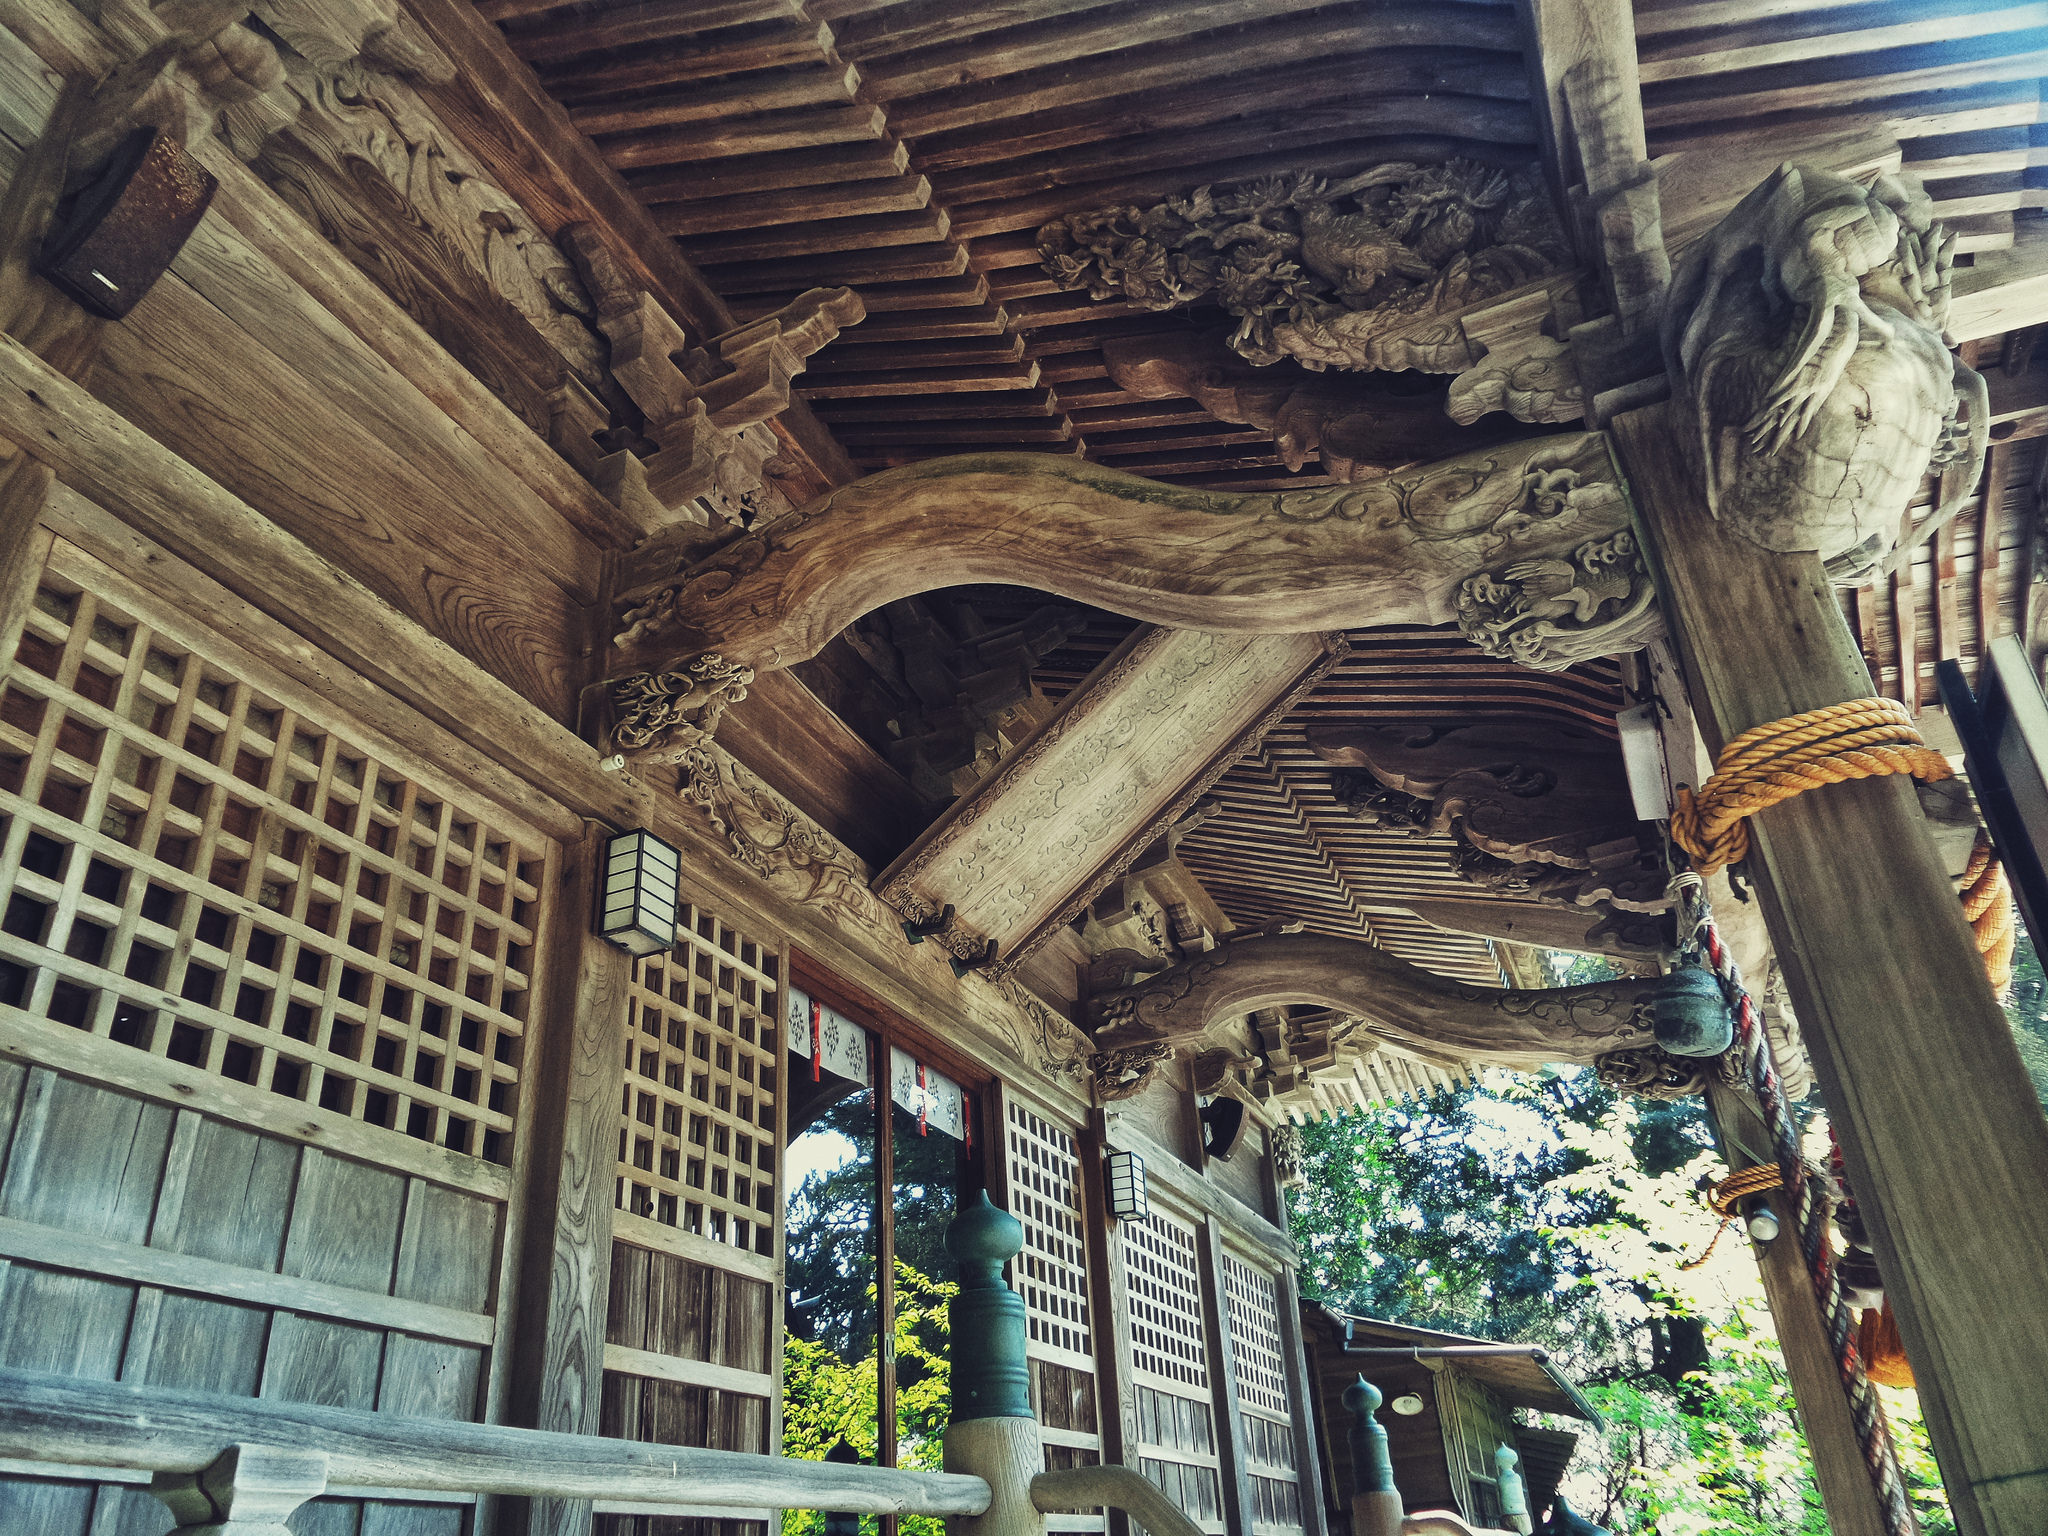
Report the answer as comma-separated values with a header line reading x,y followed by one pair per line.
x,y
1806,1194
1987,903
1861,739
1726,1198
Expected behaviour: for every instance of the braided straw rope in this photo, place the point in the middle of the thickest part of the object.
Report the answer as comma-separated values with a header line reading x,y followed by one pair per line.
x,y
1987,903
1860,739
1730,1192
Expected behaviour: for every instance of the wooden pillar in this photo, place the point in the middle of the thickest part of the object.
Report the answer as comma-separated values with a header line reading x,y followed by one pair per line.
x,y
1115,1393
1233,1467
1943,1140
568,1173
1846,1491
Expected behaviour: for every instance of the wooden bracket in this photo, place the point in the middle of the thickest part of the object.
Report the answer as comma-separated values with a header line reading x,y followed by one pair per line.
x,y
248,1491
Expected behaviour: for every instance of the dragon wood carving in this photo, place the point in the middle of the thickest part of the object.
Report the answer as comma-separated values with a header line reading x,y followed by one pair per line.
x,y
1359,273
1397,550
1399,1002
1805,333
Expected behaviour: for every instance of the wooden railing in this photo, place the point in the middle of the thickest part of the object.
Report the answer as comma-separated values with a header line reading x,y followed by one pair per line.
x,y
236,1454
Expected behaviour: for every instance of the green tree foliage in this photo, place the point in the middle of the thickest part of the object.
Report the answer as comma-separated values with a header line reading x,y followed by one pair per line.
x,y
828,1399
1543,1209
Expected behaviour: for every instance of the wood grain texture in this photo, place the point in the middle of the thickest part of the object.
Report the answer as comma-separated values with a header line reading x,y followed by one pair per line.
x,y
498,110
110,460
382,495
46,1417
559,1341
1437,1017
28,1242
1385,552
1122,757
1913,1055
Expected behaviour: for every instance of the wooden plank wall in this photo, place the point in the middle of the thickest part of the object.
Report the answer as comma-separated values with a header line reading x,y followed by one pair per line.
x,y
262,1010
233,363
170,1246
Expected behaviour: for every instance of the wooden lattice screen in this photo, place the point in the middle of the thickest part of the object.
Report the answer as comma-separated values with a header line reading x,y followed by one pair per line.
x,y
1051,1274
1259,1370
1170,1364
697,1114
204,873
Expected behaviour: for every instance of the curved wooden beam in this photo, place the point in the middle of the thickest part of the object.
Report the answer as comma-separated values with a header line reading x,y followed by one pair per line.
x,y
1397,550
1501,1026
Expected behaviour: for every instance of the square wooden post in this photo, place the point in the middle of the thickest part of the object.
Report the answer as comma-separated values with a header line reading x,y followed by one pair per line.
x,y
1943,1140
569,1171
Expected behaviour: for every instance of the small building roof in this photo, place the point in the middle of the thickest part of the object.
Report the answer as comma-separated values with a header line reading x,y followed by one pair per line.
x,y
1520,1375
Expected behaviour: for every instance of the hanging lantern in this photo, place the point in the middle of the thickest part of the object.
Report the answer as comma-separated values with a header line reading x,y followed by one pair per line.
x,y
641,893
1124,1178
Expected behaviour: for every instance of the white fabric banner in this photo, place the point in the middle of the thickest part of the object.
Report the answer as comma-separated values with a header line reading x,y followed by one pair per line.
x,y
939,1103
842,1044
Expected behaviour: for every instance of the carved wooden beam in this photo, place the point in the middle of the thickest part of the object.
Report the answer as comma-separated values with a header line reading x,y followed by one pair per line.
x,y
1073,807
1357,425
1544,804
1400,1002
1526,546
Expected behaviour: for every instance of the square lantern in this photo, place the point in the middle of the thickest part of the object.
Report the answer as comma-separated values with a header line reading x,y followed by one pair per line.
x,y
1124,1182
641,875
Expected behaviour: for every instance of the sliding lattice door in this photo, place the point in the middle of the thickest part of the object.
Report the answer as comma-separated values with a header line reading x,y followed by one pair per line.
x,y
1170,1364
1051,1274
1260,1372
265,985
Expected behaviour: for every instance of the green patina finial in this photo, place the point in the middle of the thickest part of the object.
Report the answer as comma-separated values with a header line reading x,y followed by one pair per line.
x,y
1370,1463
1514,1494
990,1380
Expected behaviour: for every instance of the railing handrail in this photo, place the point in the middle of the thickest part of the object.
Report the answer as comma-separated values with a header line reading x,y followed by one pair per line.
x,y
75,1421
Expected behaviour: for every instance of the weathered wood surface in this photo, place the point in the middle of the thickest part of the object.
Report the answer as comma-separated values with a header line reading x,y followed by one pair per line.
x,y
396,495
56,1248
46,1417
1240,1498
1114,1487
1437,1017
1824,1415
557,1379
1387,552
498,110
1123,756
1914,1057
110,460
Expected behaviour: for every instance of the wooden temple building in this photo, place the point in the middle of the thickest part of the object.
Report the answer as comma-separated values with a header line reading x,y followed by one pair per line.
x,y
651,644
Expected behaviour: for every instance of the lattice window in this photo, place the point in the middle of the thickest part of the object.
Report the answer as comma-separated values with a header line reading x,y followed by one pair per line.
x,y
1255,1355
1051,1274
1170,1364
697,1123
1164,1280
198,870
1260,1371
